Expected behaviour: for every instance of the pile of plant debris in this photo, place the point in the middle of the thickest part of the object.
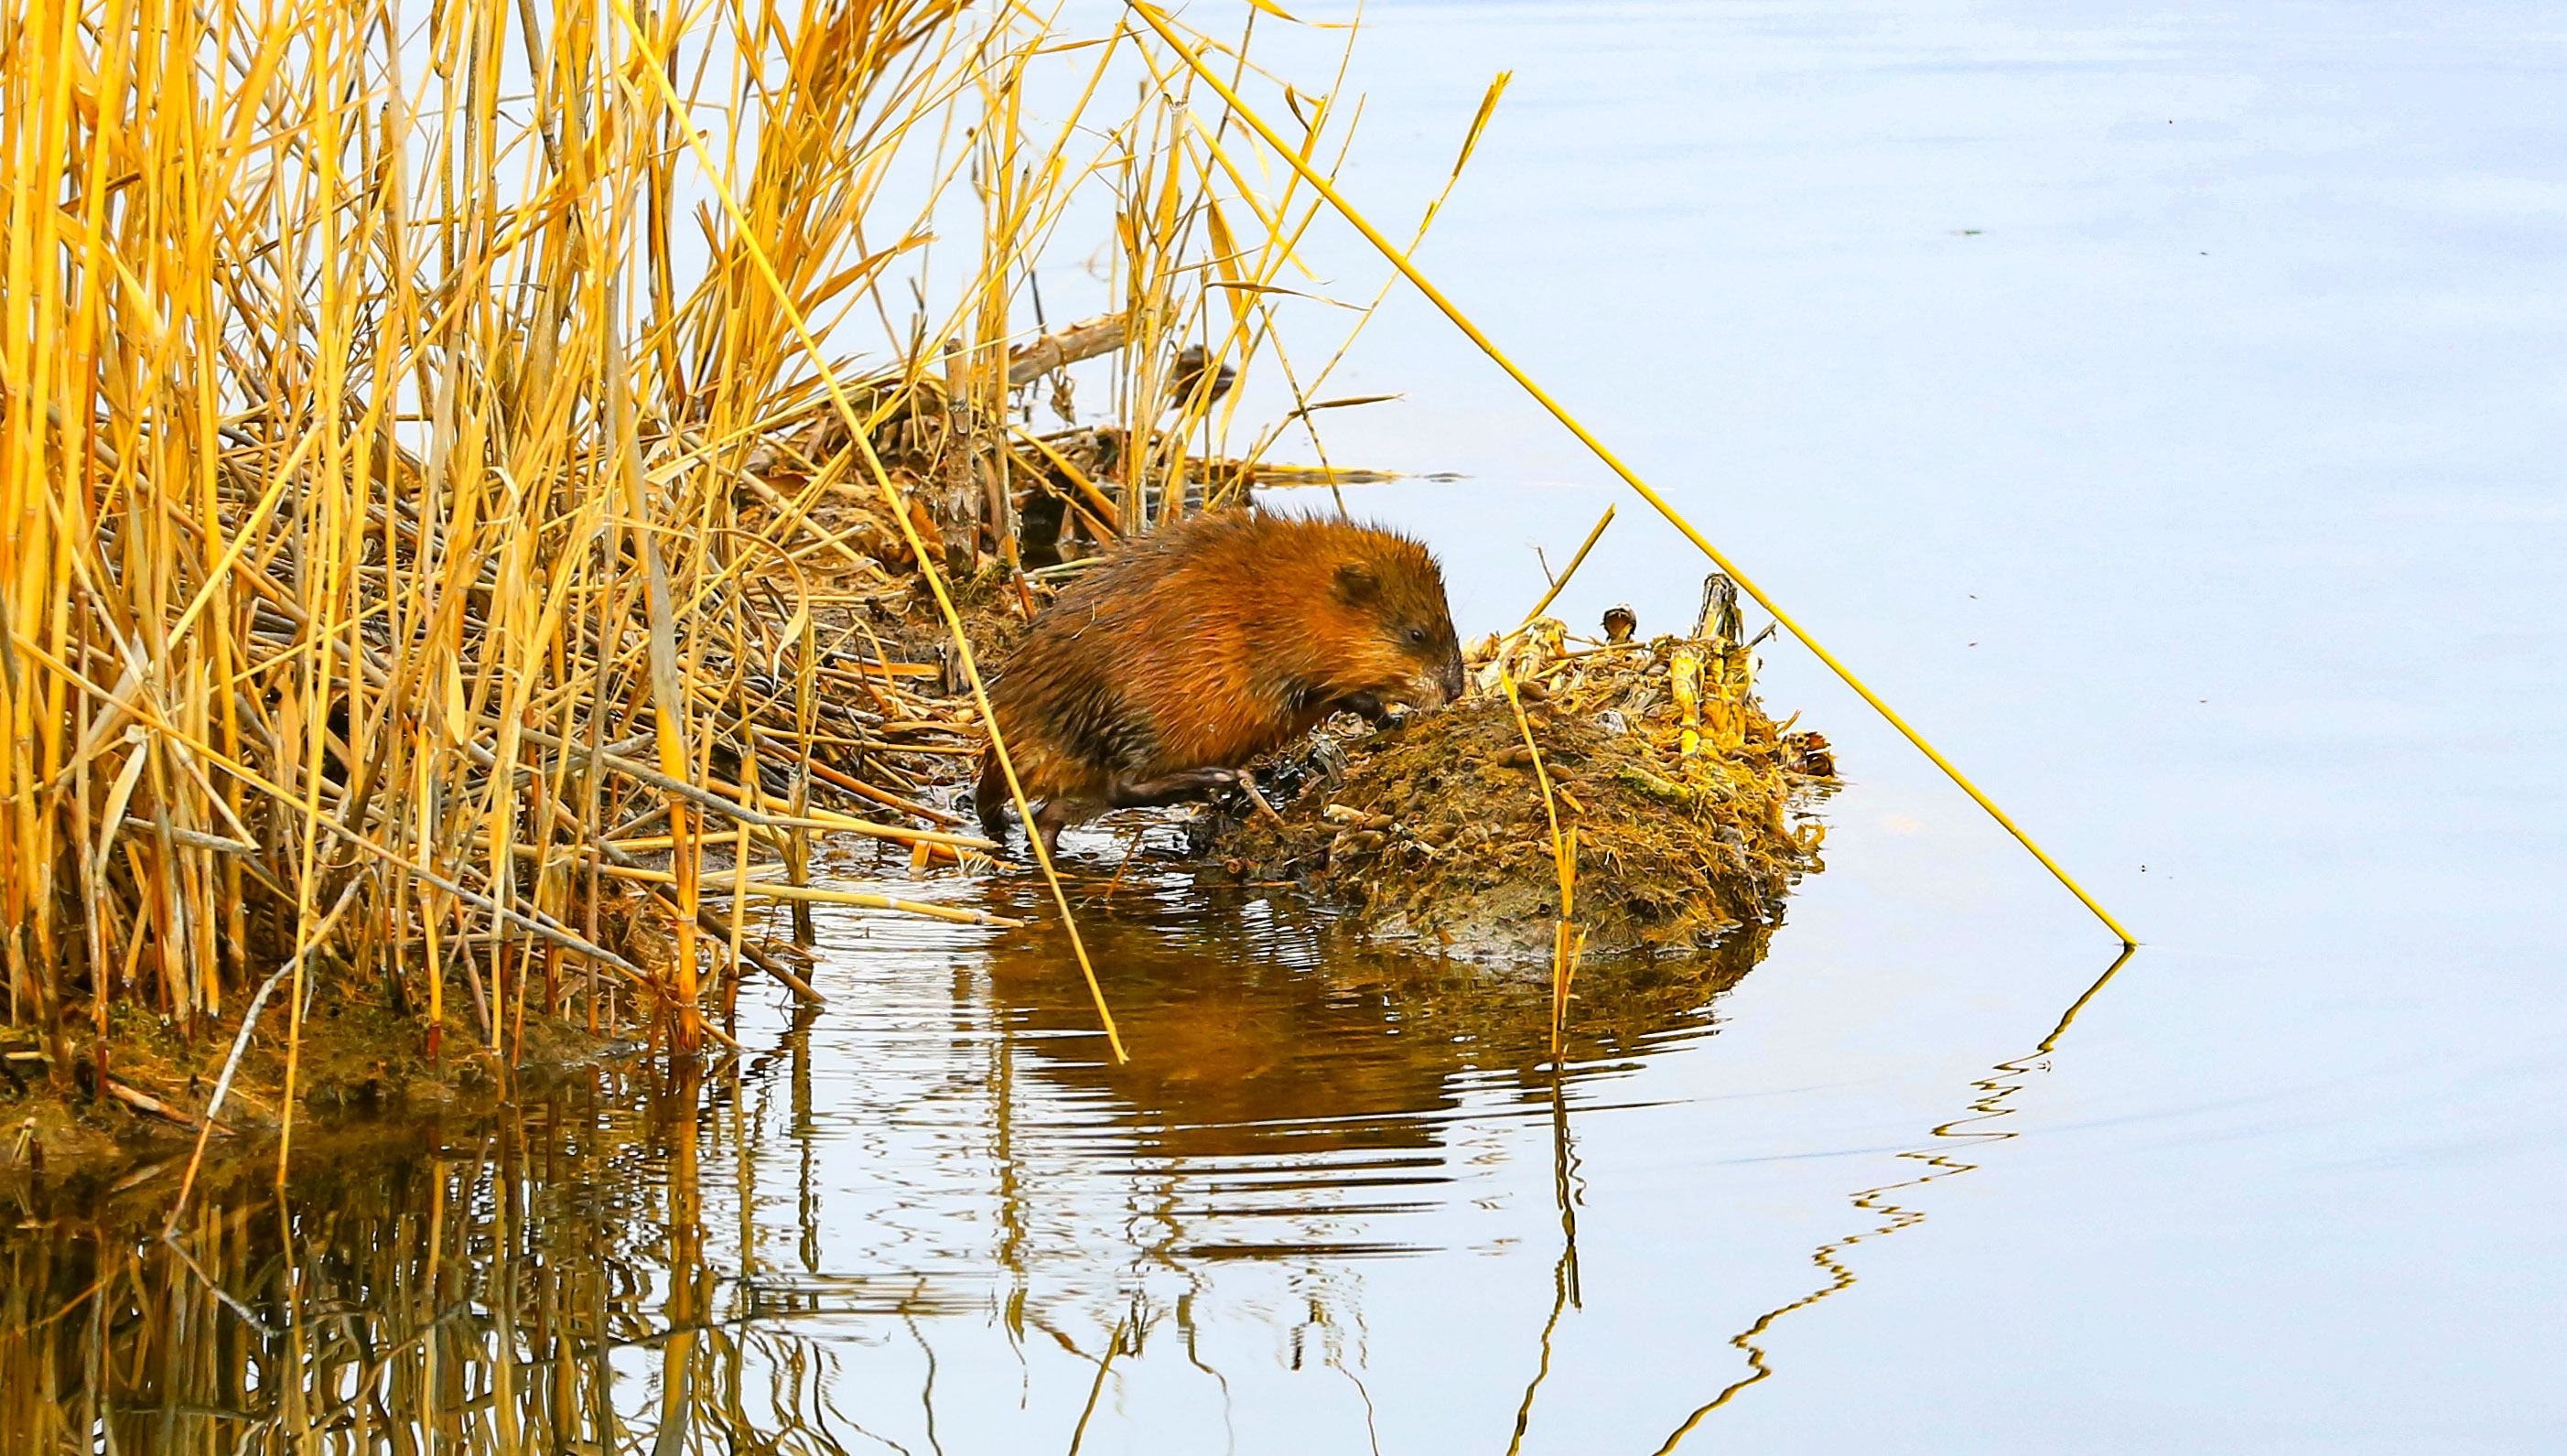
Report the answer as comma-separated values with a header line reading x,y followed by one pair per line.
x,y
1687,811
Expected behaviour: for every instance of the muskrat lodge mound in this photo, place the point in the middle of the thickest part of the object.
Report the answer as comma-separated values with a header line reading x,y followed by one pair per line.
x,y
1692,812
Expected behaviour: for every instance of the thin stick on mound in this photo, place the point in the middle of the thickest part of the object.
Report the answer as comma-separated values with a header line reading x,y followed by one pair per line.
x,y
249,1021
1564,846
1561,583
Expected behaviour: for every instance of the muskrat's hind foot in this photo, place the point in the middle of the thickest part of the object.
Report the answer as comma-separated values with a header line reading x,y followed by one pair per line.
x,y
989,800
1169,788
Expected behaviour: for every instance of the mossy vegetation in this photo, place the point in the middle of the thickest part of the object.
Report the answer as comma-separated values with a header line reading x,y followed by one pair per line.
x,y
1685,812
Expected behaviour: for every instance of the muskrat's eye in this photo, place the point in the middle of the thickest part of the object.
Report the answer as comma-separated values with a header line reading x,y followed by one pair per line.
x,y
1417,636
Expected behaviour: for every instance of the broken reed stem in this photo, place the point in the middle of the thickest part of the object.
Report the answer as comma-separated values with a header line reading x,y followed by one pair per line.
x,y
1259,800
1400,259
1562,581
240,1044
730,804
747,889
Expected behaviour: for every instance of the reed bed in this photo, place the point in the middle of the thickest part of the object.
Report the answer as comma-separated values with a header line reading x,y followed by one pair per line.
x,y
469,471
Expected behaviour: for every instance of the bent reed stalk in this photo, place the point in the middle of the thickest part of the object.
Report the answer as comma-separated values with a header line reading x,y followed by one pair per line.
x,y
413,439
1400,259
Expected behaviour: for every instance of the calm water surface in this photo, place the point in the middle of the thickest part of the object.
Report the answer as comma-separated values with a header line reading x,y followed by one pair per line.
x,y
2163,405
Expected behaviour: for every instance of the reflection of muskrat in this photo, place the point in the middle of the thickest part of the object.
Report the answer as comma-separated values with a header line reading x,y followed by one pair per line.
x,y
1192,651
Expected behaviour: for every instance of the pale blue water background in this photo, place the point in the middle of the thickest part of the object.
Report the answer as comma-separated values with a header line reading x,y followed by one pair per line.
x,y
2162,407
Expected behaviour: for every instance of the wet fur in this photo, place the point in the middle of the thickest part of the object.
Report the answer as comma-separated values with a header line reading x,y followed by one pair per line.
x,y
1195,650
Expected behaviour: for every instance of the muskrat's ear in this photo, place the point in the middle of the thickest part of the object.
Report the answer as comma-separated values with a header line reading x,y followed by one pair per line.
x,y
1357,585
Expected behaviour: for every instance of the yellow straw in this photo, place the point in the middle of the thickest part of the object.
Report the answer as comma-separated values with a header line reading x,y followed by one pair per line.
x,y
1398,260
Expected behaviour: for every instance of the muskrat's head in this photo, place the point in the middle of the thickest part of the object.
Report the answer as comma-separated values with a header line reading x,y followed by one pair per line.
x,y
1403,647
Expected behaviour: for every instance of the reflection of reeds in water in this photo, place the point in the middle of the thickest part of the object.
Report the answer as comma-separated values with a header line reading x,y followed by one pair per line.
x,y
651,1264
526,1288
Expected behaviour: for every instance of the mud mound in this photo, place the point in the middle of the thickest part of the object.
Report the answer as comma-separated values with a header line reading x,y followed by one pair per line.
x,y
1690,811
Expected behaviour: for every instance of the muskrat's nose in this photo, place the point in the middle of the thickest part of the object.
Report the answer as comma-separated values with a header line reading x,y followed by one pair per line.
x,y
1449,674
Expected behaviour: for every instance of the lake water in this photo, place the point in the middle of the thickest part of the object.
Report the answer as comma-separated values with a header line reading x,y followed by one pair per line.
x,y
2164,408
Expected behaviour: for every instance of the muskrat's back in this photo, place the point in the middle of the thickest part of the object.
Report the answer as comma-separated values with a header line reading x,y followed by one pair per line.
x,y
1192,651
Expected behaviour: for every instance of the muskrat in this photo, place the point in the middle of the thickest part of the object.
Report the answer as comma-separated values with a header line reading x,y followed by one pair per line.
x,y
1192,651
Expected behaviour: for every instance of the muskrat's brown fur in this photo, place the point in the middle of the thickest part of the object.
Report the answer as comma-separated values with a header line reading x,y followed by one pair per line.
x,y
1193,650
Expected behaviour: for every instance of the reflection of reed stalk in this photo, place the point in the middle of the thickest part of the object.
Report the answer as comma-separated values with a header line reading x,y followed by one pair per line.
x,y
572,1263
1989,1104
1563,1274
